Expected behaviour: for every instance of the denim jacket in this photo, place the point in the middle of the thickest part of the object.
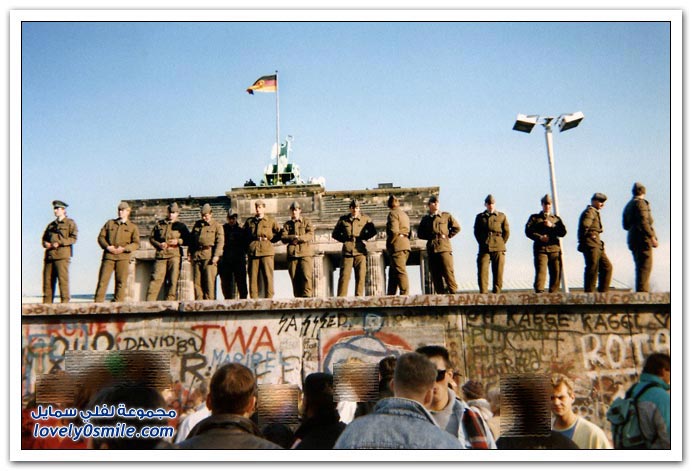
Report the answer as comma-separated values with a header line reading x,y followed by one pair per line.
x,y
396,423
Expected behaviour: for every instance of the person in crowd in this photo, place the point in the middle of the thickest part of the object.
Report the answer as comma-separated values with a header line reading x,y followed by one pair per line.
x,y
585,434
597,264
545,229
438,227
491,230
641,236
168,236
402,421
473,393
353,230
495,422
233,267
398,246
320,427
232,398
119,238
199,413
262,231
451,413
58,238
206,249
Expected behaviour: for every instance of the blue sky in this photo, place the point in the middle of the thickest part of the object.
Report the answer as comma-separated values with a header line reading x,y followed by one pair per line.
x,y
115,111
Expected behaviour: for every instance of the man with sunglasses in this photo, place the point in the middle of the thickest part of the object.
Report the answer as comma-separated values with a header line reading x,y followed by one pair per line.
x,y
451,413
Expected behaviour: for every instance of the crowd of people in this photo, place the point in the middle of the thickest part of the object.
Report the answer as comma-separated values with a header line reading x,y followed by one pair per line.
x,y
420,406
244,255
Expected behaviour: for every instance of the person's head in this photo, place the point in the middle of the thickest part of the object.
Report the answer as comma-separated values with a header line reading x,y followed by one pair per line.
x,y
562,396
546,203
232,217
439,357
433,204
59,209
386,367
598,200
295,210
495,400
490,203
260,208
638,189
658,364
232,390
354,207
206,212
132,395
124,211
414,378
318,394
199,394
173,211
393,202
473,390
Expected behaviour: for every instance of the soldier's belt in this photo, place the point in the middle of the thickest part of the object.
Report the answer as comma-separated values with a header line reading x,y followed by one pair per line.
x,y
206,247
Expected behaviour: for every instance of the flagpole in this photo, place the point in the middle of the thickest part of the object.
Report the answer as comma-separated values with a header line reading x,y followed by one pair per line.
x,y
278,145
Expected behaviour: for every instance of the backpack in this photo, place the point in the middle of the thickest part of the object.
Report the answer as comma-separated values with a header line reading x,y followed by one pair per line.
x,y
623,416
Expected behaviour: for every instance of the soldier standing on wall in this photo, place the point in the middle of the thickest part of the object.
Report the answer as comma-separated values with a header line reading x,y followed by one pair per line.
x,y
398,246
641,236
263,232
58,239
206,248
596,261
491,230
119,238
544,229
353,230
438,228
234,260
299,233
168,237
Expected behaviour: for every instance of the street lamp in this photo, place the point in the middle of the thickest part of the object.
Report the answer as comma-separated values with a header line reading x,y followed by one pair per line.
x,y
565,122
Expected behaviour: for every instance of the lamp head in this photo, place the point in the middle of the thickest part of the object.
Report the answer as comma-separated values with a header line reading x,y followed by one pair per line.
x,y
569,121
525,123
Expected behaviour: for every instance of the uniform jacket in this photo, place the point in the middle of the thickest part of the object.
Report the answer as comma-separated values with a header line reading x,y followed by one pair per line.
x,y
535,228
262,233
398,231
654,411
589,231
206,240
166,230
433,226
299,235
64,233
119,234
226,432
235,242
396,423
353,232
638,222
491,231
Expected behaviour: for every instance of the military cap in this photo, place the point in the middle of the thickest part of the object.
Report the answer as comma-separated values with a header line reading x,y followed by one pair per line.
x,y
490,199
638,189
260,203
295,205
231,214
546,199
206,209
173,208
432,199
59,204
123,205
599,197
354,203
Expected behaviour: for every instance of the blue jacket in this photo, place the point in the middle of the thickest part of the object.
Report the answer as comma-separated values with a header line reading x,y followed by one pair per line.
x,y
654,411
396,423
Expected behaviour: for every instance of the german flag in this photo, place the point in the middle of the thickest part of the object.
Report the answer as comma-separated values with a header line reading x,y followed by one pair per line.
x,y
266,84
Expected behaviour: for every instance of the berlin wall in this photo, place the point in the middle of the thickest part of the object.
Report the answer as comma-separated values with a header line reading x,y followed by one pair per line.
x,y
600,340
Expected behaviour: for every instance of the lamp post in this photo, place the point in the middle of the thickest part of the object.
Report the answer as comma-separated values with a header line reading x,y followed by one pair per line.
x,y
565,122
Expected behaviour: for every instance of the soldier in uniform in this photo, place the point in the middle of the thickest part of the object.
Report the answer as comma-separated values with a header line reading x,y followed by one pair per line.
x,y
119,238
590,244
353,230
641,237
168,237
299,233
234,261
206,248
398,246
544,229
491,230
58,239
262,232
438,228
